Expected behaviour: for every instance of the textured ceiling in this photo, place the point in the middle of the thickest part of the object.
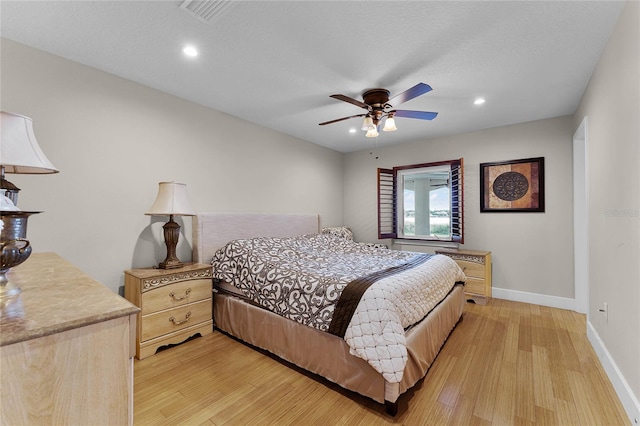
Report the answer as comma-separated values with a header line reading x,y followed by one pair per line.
x,y
276,63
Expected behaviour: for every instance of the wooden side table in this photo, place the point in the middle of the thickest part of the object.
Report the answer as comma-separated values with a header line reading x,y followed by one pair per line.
x,y
476,265
175,304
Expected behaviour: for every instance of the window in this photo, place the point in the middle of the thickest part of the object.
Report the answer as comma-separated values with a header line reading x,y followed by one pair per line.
x,y
421,201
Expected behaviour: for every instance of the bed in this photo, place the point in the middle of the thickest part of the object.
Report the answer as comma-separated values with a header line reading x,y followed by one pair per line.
x,y
312,348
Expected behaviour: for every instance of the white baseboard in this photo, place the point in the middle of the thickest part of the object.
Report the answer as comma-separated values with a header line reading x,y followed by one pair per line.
x,y
627,398
534,298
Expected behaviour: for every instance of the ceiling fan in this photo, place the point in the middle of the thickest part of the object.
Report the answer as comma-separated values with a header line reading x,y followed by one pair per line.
x,y
376,102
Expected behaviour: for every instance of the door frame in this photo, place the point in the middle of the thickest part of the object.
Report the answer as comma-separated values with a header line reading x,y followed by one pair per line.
x,y
581,217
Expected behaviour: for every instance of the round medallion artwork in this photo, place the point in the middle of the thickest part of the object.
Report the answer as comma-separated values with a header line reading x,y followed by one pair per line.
x,y
510,186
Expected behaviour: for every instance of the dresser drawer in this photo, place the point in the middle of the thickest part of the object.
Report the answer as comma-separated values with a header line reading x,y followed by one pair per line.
x,y
175,319
178,294
471,269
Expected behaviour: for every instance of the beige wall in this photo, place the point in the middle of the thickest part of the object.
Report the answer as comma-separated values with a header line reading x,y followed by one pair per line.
x,y
532,252
611,104
113,141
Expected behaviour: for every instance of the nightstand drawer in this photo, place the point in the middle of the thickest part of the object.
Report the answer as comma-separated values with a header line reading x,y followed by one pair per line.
x,y
175,319
471,269
475,286
179,294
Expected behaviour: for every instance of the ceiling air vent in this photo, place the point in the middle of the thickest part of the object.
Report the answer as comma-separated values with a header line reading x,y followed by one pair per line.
x,y
205,10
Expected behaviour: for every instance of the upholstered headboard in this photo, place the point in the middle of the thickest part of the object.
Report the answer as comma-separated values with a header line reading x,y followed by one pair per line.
x,y
212,231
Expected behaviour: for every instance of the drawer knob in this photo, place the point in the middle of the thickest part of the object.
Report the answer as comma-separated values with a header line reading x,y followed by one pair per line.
x,y
186,294
177,322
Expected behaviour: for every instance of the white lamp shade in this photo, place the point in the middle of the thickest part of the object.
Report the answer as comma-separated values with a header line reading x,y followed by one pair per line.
x,y
19,149
389,125
372,133
171,200
367,123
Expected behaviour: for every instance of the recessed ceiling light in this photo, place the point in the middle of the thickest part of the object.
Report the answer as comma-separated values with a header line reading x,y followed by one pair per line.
x,y
352,130
479,101
190,51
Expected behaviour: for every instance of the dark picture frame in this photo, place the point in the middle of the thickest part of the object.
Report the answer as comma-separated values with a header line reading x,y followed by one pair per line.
x,y
512,186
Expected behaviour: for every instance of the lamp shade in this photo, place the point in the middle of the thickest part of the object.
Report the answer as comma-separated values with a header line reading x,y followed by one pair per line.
x,y
367,123
389,125
171,200
19,149
372,133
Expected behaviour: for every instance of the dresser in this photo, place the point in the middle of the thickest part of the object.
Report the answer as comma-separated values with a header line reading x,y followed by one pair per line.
x,y
175,304
66,348
476,265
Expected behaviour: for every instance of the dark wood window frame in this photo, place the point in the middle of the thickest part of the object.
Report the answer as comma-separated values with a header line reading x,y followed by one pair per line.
x,y
388,202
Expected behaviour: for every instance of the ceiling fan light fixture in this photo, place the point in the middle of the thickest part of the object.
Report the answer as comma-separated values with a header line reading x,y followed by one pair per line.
x,y
367,123
377,104
389,125
372,133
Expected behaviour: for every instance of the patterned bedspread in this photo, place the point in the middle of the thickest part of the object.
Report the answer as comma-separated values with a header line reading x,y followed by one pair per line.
x,y
302,278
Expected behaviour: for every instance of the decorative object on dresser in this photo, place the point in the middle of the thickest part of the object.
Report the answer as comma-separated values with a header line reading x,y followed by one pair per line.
x,y
14,246
175,304
19,153
171,201
476,265
512,186
66,348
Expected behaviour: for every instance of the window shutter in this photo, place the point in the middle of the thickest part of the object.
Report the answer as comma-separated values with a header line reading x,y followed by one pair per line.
x,y
386,204
457,205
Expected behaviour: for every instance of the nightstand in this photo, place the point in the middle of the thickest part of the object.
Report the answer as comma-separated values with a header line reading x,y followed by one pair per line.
x,y
476,265
175,304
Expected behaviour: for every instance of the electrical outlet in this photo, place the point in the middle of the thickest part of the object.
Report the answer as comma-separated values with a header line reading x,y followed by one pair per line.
x,y
605,311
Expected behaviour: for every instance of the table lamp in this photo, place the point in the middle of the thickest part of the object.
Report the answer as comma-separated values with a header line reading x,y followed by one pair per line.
x,y
171,201
19,153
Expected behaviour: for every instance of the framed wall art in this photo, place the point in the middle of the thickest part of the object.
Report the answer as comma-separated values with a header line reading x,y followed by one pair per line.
x,y
512,186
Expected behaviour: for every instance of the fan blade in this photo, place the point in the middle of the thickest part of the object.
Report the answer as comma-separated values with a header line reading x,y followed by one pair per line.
x,y
351,101
420,115
414,92
341,119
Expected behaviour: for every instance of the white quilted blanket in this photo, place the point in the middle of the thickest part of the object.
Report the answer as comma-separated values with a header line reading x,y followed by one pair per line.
x,y
376,332
302,278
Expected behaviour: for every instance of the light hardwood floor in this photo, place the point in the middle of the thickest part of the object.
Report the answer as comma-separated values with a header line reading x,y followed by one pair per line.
x,y
506,363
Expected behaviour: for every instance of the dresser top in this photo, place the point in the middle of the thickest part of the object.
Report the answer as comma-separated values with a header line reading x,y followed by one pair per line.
x,y
56,296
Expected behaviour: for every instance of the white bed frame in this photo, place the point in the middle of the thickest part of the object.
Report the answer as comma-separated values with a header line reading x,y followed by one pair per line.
x,y
324,354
